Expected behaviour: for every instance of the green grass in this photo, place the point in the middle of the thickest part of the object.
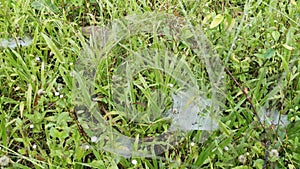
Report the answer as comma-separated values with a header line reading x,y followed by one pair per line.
x,y
257,41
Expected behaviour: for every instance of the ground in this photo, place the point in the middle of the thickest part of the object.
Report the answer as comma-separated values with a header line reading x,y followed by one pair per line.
x,y
245,72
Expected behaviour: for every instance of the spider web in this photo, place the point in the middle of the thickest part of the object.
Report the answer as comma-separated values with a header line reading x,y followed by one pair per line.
x,y
193,107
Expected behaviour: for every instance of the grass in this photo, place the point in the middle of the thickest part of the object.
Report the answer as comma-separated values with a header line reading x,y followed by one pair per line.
x,y
257,41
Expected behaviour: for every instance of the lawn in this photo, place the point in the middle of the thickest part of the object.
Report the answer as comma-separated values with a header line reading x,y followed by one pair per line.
x,y
149,84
